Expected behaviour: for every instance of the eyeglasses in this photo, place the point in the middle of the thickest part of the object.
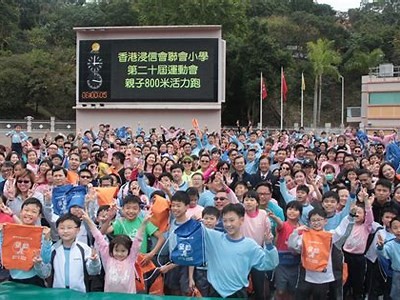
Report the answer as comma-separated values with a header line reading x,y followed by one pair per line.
x,y
66,228
220,198
205,161
264,194
86,177
23,181
225,168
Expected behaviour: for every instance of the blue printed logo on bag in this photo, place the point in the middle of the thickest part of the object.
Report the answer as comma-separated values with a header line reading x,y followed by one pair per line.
x,y
189,250
76,196
59,199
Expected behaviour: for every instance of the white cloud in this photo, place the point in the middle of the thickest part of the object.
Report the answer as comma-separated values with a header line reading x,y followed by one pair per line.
x,y
341,5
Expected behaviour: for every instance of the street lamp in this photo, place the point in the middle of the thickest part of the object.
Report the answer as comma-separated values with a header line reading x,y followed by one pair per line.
x,y
342,120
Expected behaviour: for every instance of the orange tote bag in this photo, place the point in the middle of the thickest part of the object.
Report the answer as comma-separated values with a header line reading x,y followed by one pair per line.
x,y
106,195
160,211
20,243
316,250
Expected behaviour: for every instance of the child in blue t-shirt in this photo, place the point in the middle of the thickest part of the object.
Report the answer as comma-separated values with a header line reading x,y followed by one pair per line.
x,y
231,256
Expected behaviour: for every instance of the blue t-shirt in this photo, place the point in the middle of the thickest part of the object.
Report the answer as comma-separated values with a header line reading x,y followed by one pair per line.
x,y
242,254
67,252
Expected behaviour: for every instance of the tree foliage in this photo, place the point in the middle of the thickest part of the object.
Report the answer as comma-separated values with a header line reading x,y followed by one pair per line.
x,y
37,50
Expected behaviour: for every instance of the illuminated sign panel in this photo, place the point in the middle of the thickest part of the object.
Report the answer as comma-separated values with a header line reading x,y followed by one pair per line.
x,y
148,70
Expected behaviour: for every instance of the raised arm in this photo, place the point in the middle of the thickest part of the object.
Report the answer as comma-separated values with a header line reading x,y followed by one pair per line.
x,y
284,191
101,243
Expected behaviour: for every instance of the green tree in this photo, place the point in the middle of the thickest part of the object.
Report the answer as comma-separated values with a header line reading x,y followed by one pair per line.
x,y
324,60
9,18
362,61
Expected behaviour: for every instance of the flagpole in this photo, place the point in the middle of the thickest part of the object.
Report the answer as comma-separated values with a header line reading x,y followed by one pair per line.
x,y
302,100
261,88
281,98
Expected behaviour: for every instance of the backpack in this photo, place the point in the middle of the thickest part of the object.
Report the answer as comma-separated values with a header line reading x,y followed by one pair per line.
x,y
59,199
148,278
50,279
76,196
190,246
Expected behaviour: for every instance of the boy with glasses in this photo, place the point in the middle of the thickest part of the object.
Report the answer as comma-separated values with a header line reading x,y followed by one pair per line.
x,y
322,257
71,260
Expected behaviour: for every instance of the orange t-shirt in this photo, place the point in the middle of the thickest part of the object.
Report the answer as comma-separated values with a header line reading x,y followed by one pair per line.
x,y
72,177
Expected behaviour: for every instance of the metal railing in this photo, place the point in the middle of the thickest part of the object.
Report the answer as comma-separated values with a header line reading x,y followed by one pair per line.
x,y
385,70
39,126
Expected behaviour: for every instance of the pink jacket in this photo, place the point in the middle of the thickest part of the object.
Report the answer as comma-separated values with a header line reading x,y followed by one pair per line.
x,y
120,275
357,241
385,140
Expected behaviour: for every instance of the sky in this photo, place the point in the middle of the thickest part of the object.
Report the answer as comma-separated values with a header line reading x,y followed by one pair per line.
x,y
342,5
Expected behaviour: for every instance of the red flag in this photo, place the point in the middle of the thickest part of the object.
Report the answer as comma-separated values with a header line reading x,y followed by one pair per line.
x,y
284,86
264,92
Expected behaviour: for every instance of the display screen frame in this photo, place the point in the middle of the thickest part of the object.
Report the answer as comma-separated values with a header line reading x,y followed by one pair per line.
x,y
104,75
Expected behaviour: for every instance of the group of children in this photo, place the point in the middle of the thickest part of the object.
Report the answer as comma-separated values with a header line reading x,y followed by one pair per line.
x,y
72,264
243,250
250,234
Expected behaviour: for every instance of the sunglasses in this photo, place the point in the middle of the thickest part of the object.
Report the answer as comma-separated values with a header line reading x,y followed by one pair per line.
x,y
86,177
220,198
23,181
187,162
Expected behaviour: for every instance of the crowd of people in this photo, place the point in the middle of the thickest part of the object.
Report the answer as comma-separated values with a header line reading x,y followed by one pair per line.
x,y
285,214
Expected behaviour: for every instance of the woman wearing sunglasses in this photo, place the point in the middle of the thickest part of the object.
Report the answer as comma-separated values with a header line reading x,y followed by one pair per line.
x,y
23,189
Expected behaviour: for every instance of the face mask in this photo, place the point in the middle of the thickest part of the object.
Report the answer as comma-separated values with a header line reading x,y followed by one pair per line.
x,y
329,177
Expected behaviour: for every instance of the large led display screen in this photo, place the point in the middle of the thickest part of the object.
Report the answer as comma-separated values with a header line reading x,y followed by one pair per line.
x,y
148,70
